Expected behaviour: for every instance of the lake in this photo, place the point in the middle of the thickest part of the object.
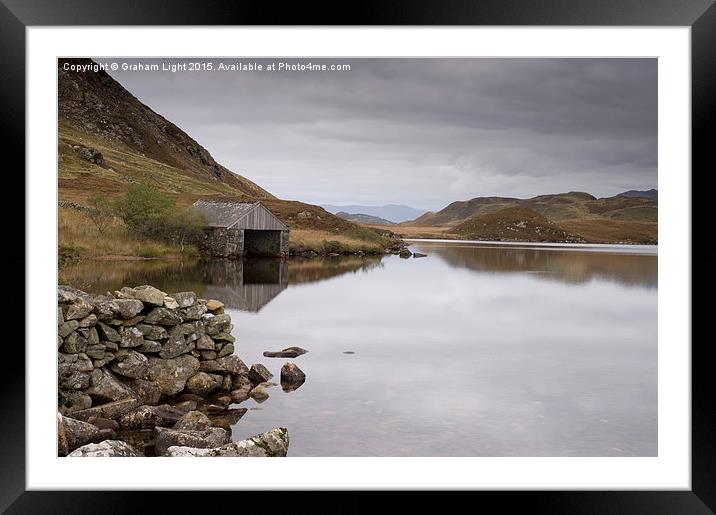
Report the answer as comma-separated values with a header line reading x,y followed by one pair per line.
x,y
478,349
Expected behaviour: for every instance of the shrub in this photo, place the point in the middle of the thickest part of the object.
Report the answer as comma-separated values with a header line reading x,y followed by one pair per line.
x,y
332,246
100,212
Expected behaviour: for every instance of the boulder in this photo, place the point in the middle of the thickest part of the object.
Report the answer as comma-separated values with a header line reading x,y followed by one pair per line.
x,y
129,308
176,344
217,324
106,308
96,351
62,448
107,358
106,449
259,394
228,418
147,294
149,417
110,410
78,309
202,383
288,352
88,321
291,377
171,374
193,421
209,437
405,253
193,312
214,305
205,342
149,346
271,444
106,388
152,332
66,328
185,299
226,350
130,363
147,392
74,343
130,337
78,433
108,333
259,373
164,316
170,303
72,400
103,423
72,380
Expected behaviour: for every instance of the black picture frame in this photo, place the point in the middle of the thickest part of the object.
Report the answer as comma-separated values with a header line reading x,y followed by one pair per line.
x,y
700,15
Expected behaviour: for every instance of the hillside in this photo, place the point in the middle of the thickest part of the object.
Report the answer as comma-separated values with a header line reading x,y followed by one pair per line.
x,y
652,194
108,139
513,224
630,219
364,219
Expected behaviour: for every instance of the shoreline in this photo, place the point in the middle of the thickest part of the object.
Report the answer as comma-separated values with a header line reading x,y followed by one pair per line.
x,y
586,247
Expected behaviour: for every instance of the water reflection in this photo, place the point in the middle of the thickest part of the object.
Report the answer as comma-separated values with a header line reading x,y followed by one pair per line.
x,y
553,263
246,285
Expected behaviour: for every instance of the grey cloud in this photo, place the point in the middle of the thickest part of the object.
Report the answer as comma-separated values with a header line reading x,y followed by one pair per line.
x,y
423,132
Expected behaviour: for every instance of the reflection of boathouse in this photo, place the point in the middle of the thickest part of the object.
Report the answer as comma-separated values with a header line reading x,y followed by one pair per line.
x,y
245,285
236,229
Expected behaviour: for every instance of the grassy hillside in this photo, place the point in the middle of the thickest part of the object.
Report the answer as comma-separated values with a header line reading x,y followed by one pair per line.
x,y
108,139
513,224
604,220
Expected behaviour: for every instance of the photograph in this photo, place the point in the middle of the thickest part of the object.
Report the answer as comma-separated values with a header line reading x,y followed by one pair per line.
x,y
357,257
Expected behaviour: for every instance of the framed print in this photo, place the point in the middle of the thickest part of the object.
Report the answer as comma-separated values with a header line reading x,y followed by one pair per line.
x,y
454,254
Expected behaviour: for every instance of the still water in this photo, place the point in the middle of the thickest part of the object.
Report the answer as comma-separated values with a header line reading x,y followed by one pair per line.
x,y
476,350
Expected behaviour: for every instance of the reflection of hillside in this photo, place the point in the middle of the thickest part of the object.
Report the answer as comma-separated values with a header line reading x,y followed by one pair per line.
x,y
561,265
246,285
312,270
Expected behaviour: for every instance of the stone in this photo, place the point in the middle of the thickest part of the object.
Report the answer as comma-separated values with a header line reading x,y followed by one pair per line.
x,y
105,360
175,345
292,377
240,395
207,355
224,337
108,333
78,309
96,351
130,363
152,332
103,423
149,346
404,253
259,373
149,417
72,380
78,433
228,418
106,309
171,374
105,387
110,410
74,343
288,352
93,336
270,444
185,299
193,312
147,392
217,324
67,327
88,321
62,448
71,400
147,294
193,421
60,317
128,322
210,437
106,449
129,308
259,394
186,406
67,294
170,303
204,342
202,383
130,337
164,316
226,350
213,305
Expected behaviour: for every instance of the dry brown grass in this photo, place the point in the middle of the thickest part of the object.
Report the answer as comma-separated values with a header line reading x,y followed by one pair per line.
x,y
413,231
79,238
613,231
316,240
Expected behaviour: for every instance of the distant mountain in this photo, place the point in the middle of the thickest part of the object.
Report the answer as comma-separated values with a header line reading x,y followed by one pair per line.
x,y
614,219
363,218
652,194
391,212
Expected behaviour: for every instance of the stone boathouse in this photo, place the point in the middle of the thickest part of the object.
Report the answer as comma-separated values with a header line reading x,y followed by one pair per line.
x,y
236,229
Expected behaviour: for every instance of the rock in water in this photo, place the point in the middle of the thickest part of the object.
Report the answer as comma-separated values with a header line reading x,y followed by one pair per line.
x,y
288,352
405,253
106,449
208,438
259,374
271,444
259,394
292,377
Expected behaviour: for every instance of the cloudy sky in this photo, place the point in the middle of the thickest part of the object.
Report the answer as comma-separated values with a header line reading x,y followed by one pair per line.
x,y
421,132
